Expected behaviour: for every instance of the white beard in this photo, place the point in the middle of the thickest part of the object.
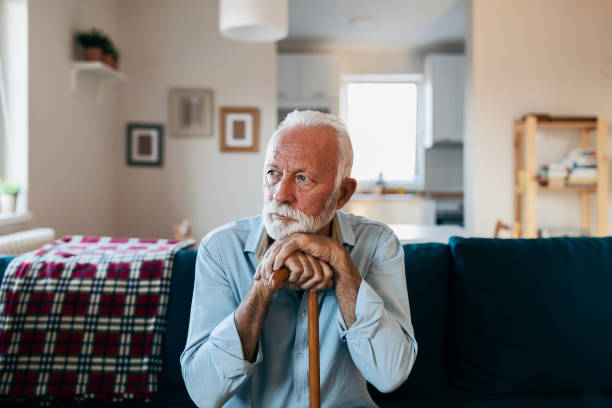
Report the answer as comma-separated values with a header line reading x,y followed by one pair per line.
x,y
279,229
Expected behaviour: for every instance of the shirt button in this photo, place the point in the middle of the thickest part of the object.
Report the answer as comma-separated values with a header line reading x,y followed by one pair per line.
x,y
300,397
303,313
299,355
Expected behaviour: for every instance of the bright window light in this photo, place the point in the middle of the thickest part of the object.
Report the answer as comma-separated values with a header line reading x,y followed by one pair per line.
x,y
382,122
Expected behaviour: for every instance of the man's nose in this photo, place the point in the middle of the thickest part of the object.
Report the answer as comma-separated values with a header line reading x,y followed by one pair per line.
x,y
285,190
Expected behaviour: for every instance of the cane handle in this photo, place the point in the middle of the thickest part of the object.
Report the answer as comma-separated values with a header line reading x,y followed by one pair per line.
x,y
279,276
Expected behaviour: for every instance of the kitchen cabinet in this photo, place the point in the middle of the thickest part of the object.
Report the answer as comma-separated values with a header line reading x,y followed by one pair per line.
x,y
288,77
306,80
444,92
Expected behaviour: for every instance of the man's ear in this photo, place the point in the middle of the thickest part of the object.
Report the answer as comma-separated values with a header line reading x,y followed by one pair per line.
x,y
347,189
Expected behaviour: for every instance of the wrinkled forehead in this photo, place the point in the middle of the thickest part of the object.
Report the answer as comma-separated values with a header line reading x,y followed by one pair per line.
x,y
315,143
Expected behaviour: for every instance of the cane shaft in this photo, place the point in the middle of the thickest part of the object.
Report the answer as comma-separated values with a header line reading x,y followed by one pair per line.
x,y
313,350
278,277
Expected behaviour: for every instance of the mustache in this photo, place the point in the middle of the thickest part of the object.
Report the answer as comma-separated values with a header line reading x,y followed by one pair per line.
x,y
283,209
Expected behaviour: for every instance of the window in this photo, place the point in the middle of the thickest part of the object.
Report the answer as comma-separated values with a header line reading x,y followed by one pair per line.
x,y
382,115
14,96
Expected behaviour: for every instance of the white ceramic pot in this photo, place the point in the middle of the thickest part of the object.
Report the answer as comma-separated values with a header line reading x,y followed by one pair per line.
x,y
8,203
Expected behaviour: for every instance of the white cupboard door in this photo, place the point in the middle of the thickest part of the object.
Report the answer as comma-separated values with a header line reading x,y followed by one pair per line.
x,y
444,92
448,99
317,72
288,77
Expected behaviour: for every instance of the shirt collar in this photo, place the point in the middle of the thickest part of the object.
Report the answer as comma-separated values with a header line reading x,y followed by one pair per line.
x,y
258,240
255,236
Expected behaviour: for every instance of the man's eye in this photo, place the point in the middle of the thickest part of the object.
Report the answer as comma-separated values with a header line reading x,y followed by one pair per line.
x,y
272,173
301,178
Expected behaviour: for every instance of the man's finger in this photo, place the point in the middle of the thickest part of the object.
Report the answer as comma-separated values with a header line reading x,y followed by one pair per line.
x,y
261,270
316,283
308,272
328,281
285,250
317,275
295,267
271,256
257,274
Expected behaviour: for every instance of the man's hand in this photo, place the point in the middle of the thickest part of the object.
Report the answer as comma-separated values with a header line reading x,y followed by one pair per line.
x,y
330,253
305,273
320,247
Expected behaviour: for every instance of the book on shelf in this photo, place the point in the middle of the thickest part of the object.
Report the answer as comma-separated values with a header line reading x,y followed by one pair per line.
x,y
582,177
582,183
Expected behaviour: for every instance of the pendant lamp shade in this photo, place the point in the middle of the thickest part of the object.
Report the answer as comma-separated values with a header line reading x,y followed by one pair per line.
x,y
253,20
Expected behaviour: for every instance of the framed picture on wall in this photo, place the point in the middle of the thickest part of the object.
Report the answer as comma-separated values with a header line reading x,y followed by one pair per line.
x,y
191,112
144,144
239,129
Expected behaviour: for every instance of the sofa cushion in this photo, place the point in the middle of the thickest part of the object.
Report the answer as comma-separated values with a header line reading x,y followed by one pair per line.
x,y
427,268
531,315
183,274
454,398
4,261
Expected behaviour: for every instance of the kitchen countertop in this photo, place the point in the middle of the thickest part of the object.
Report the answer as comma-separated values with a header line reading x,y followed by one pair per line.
x,y
413,233
433,195
372,196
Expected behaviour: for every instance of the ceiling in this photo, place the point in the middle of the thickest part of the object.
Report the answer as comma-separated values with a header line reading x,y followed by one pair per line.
x,y
395,23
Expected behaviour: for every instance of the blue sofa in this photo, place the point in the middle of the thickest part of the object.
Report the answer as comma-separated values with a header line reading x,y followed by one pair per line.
x,y
500,323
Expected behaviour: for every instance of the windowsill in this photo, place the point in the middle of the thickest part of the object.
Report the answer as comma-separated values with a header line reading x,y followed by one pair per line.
x,y
10,219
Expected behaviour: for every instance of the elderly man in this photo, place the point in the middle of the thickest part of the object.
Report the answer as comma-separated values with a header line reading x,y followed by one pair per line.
x,y
247,342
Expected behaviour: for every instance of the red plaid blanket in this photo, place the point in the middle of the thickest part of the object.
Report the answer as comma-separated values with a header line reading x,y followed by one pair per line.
x,y
83,318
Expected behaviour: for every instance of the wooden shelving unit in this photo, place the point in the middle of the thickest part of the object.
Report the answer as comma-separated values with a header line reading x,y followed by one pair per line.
x,y
527,188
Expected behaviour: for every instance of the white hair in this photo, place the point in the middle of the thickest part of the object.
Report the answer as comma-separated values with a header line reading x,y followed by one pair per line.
x,y
314,119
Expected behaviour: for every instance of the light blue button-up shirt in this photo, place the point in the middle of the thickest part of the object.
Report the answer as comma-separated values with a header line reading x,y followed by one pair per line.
x,y
379,347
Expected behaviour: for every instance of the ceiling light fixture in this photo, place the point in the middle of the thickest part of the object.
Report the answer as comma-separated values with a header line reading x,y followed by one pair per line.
x,y
253,20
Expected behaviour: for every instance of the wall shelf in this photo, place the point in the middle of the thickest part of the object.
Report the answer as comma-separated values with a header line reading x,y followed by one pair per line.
x,y
587,189
526,186
98,70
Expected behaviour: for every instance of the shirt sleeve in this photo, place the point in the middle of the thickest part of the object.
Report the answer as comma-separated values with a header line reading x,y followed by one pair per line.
x,y
212,363
381,340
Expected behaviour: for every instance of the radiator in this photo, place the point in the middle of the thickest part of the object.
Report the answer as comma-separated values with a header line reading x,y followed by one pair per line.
x,y
25,241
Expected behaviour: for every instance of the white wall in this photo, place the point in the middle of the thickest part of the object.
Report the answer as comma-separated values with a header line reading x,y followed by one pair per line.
x,y
72,137
79,182
531,56
167,44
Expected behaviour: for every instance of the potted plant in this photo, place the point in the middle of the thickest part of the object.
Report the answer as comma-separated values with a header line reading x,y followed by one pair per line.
x,y
8,196
116,55
92,43
107,51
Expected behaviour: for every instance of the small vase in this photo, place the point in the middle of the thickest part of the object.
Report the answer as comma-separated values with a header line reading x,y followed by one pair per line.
x,y
108,59
8,203
93,53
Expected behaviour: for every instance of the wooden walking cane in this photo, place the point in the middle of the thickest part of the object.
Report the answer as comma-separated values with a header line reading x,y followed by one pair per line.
x,y
279,276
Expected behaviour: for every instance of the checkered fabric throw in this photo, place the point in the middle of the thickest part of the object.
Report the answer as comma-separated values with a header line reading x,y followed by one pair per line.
x,y
83,318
